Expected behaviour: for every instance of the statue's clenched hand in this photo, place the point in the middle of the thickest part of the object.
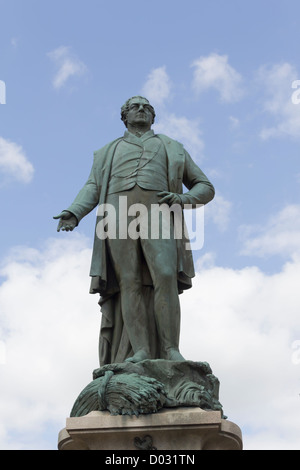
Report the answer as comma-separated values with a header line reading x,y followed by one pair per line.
x,y
169,198
67,221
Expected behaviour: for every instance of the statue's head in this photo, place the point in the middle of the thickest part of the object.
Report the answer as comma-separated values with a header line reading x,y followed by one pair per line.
x,y
133,105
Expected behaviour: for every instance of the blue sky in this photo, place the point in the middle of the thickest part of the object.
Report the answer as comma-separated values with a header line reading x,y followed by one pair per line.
x,y
220,75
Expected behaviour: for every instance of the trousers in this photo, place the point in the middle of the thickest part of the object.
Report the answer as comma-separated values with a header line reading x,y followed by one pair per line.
x,y
160,255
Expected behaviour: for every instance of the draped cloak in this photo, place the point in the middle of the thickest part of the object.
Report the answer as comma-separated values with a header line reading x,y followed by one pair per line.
x,y
114,345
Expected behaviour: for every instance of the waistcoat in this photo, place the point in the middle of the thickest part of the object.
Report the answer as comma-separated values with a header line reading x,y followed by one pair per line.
x,y
139,160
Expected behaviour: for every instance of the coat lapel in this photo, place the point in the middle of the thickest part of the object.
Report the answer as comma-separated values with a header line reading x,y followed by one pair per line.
x,y
105,157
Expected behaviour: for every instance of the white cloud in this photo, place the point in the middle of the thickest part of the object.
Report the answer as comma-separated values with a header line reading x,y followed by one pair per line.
x,y
244,323
157,87
219,210
279,236
67,64
234,122
277,84
248,330
214,71
50,330
14,163
186,131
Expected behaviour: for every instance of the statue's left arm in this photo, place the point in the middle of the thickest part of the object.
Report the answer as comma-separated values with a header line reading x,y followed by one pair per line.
x,y
200,189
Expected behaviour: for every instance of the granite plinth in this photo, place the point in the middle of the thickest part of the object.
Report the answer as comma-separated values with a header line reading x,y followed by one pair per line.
x,y
182,428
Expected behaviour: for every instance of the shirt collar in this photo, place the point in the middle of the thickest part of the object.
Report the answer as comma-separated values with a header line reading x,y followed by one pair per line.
x,y
133,138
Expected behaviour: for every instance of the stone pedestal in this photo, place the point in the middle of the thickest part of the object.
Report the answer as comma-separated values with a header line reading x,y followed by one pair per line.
x,y
184,428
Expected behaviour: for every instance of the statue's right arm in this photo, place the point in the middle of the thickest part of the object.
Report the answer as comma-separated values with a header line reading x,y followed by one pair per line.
x,y
85,201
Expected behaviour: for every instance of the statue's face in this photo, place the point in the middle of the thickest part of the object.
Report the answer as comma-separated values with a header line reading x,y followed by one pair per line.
x,y
139,113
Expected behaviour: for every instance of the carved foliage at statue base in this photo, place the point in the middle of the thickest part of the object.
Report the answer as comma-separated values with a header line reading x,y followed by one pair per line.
x,y
148,386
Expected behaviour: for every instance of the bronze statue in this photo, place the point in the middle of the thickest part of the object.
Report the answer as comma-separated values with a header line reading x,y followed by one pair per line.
x,y
139,279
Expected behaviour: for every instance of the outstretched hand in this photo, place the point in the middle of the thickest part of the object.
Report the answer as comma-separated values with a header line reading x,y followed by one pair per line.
x,y
67,221
169,198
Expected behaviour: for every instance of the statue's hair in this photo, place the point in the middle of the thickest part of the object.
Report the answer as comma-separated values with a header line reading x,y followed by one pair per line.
x,y
125,109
